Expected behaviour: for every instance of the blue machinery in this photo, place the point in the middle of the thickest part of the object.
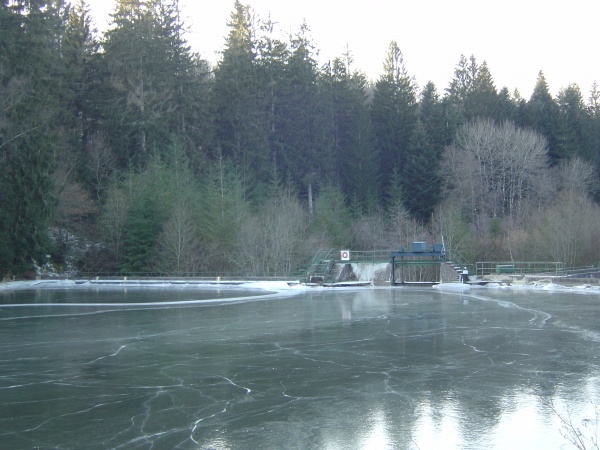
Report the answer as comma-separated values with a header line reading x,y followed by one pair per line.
x,y
417,256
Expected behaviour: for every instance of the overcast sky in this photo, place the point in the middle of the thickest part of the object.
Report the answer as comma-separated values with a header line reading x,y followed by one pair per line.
x,y
517,38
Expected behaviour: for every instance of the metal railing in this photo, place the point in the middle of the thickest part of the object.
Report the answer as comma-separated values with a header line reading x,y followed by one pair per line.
x,y
456,259
170,276
483,268
583,272
372,256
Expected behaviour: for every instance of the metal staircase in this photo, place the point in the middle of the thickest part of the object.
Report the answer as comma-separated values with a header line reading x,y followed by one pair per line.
x,y
321,267
458,263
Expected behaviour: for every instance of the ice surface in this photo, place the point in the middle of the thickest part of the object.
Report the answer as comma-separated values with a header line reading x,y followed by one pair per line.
x,y
295,366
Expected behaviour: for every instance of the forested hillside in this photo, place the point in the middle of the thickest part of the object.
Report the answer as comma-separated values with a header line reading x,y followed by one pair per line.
x,y
126,152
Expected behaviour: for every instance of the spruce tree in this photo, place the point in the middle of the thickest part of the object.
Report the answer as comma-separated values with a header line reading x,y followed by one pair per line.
x,y
507,107
593,128
482,101
356,168
464,81
223,208
432,117
307,128
30,89
151,73
573,139
393,113
241,122
421,175
331,218
541,114
188,80
273,55
80,58
142,232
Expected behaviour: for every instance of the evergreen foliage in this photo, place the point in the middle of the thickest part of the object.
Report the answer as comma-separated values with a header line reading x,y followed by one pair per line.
x,y
393,113
172,165
305,135
355,156
541,114
29,132
240,119
421,175
332,218
432,118
223,208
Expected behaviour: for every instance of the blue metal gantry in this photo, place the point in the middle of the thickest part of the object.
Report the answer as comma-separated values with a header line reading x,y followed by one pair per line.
x,y
417,256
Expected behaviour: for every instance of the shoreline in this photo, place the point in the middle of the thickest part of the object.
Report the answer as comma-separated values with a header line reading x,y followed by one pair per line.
x,y
545,283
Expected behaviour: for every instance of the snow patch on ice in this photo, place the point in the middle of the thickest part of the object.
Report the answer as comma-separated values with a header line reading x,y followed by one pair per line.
x,y
276,286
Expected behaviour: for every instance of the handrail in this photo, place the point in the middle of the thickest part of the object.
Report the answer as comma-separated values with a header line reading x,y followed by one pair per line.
x,y
520,267
458,258
200,276
373,256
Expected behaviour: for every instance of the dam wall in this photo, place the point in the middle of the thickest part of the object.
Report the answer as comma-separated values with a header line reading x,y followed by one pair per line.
x,y
380,273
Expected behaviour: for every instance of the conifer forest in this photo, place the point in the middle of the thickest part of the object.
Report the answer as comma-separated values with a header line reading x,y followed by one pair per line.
x,y
125,152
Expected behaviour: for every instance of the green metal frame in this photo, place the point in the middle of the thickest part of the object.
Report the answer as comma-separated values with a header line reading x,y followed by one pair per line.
x,y
483,268
321,265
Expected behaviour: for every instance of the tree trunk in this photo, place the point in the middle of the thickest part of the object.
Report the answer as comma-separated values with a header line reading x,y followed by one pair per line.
x,y
310,199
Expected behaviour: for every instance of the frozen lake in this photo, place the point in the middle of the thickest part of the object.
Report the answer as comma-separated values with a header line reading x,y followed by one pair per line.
x,y
320,368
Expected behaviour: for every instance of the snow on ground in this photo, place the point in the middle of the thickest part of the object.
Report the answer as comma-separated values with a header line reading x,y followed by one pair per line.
x,y
276,286
279,286
36,284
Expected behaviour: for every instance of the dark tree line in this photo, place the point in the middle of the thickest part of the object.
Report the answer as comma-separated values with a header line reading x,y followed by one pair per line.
x,y
134,144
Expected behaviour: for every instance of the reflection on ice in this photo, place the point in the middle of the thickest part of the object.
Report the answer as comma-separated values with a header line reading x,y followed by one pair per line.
x,y
376,433
295,367
437,428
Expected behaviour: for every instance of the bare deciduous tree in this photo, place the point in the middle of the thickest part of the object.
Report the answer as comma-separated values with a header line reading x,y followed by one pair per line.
x,y
101,163
568,231
114,220
495,167
271,241
370,233
404,229
178,249
577,175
